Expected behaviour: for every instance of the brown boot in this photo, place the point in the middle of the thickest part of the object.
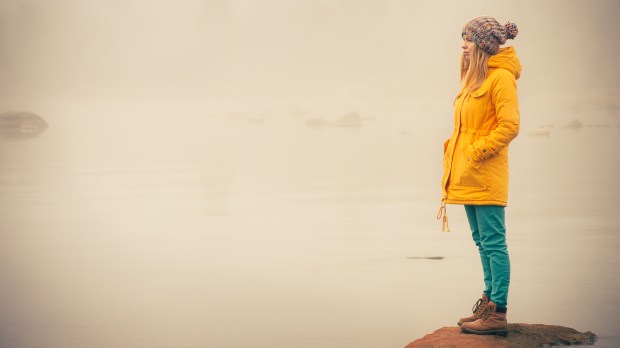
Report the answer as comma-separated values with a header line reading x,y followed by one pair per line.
x,y
477,310
489,323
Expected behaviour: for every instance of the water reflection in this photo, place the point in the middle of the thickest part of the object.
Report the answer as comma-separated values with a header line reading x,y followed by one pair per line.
x,y
193,231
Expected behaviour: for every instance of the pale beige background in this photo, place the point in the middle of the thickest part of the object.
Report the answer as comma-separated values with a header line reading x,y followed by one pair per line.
x,y
180,198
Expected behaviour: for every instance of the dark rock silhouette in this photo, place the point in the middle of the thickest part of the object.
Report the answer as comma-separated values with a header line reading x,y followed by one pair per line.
x,y
574,124
255,120
317,123
519,336
351,120
348,120
540,132
21,125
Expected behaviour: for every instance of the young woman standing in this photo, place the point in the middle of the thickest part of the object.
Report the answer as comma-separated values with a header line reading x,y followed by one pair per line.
x,y
486,120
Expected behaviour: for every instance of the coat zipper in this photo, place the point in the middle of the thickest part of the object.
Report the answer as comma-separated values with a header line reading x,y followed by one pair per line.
x,y
443,213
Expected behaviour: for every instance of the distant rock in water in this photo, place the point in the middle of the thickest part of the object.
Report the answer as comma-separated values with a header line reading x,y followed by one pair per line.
x,y
574,124
519,336
351,120
540,132
21,125
255,120
317,123
348,120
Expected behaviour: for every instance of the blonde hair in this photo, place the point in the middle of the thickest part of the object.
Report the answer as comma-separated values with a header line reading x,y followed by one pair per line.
x,y
474,70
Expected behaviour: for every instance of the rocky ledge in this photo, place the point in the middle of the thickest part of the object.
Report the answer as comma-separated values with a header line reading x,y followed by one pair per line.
x,y
519,336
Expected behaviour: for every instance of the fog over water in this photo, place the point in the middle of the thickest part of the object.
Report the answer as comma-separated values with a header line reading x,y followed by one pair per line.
x,y
265,173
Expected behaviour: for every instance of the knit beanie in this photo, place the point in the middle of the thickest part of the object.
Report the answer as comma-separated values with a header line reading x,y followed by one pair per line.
x,y
488,34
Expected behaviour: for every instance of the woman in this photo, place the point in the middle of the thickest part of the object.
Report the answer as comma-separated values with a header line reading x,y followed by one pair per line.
x,y
486,120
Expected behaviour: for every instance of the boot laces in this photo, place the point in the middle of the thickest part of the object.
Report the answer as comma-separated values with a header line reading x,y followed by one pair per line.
x,y
486,312
478,306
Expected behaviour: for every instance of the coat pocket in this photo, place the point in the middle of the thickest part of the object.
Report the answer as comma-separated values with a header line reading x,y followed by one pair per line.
x,y
468,173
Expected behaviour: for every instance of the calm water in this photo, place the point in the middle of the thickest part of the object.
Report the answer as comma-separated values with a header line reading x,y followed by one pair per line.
x,y
230,230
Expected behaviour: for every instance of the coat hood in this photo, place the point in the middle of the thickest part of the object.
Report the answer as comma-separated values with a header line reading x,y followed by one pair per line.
x,y
507,59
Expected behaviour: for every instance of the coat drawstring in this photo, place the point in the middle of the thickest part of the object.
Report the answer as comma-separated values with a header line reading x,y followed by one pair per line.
x,y
443,216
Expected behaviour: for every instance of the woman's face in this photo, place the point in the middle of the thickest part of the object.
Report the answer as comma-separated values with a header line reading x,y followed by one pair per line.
x,y
468,47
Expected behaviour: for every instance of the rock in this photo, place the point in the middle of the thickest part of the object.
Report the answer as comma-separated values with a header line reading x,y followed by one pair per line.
x,y
519,336
21,125
540,132
574,124
255,120
351,119
317,123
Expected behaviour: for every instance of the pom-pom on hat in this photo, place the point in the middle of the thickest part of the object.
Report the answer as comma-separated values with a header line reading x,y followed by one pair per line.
x,y
488,34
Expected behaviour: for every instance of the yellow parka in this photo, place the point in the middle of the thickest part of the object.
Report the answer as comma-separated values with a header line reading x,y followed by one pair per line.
x,y
485,121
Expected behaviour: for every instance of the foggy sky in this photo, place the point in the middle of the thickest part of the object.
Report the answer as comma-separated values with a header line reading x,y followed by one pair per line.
x,y
133,227
291,48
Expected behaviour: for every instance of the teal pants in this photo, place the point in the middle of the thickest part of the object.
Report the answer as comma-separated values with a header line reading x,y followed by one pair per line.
x,y
488,230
